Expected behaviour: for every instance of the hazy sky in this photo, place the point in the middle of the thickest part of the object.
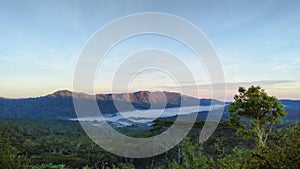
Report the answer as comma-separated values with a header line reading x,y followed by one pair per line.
x,y
258,42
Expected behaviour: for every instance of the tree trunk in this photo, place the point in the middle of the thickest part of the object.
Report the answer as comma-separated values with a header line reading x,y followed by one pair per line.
x,y
179,154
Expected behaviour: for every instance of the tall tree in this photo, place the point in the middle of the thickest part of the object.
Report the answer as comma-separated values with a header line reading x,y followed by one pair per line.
x,y
261,111
8,154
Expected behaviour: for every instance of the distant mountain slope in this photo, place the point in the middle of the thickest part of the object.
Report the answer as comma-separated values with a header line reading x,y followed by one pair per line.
x,y
293,109
60,103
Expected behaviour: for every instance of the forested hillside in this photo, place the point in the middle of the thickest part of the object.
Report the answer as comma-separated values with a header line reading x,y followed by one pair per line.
x,y
63,144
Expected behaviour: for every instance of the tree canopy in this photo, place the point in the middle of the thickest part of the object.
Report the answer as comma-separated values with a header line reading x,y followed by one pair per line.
x,y
253,110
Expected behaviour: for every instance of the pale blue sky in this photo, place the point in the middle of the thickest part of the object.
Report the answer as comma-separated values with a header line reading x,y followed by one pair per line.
x,y
258,42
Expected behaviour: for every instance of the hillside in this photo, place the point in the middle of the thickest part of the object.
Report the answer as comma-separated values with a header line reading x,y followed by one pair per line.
x,y
60,104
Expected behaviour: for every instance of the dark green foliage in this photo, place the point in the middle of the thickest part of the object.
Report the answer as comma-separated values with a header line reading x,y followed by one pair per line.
x,y
59,142
235,160
260,110
283,151
193,156
9,158
63,144
46,166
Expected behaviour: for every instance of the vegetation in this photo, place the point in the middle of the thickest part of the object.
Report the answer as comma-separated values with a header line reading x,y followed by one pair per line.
x,y
8,154
262,111
62,144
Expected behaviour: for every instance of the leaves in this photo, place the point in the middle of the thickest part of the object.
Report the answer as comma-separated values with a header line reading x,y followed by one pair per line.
x,y
260,111
9,158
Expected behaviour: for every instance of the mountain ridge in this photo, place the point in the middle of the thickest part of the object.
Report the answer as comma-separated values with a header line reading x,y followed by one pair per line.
x,y
59,104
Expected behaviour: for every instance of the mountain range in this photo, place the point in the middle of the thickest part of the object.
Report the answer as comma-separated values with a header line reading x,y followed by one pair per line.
x,y
60,104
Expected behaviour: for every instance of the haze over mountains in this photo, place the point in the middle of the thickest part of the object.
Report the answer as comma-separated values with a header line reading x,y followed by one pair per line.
x,y
60,104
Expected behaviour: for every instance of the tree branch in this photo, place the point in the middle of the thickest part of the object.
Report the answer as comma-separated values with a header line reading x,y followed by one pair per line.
x,y
270,130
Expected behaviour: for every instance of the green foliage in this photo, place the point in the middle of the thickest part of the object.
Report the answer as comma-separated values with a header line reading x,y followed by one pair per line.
x,y
46,166
283,151
262,112
193,157
175,165
63,144
9,158
127,166
59,143
235,160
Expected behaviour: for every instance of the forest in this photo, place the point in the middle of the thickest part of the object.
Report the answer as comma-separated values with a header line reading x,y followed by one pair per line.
x,y
253,137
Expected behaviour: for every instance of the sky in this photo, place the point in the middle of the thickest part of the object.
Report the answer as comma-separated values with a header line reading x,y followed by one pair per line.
x,y
257,42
